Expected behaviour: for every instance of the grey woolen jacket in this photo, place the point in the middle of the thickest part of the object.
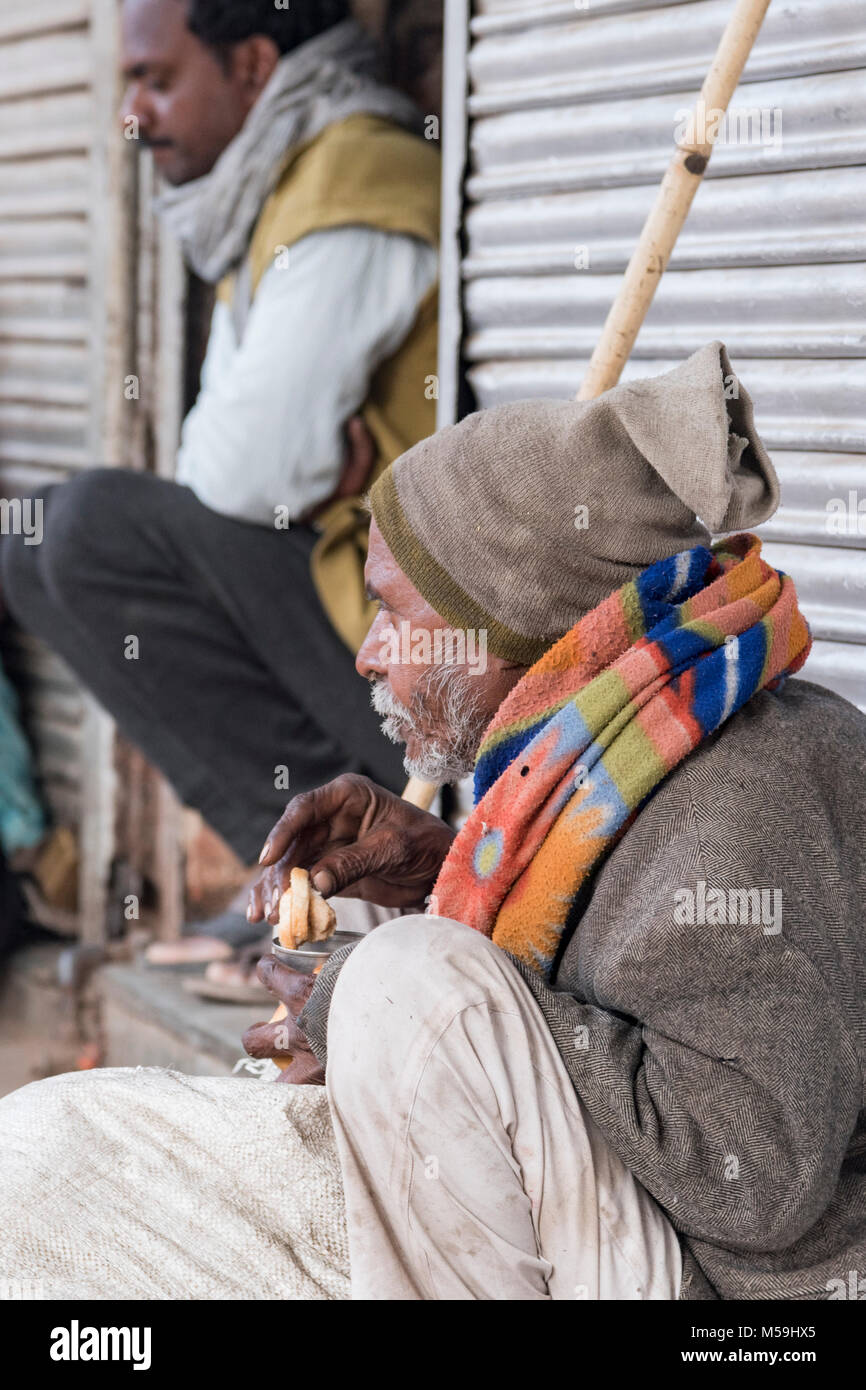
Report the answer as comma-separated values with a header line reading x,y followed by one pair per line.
x,y
724,1060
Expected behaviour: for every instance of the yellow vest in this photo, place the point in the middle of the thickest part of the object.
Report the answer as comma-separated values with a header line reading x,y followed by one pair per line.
x,y
368,171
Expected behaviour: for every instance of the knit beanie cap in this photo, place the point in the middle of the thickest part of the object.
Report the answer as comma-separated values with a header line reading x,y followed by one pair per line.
x,y
520,519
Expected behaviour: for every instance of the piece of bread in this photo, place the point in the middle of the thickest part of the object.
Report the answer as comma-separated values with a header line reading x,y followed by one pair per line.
x,y
304,914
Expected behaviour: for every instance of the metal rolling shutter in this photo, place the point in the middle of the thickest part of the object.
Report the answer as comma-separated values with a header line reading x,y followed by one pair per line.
x,y
61,214
572,110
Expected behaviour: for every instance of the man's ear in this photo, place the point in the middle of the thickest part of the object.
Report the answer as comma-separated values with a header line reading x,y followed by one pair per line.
x,y
252,63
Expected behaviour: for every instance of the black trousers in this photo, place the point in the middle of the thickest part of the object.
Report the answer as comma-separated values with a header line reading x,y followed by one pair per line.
x,y
206,641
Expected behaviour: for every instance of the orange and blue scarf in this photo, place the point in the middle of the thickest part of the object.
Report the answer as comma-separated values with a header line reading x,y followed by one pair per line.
x,y
596,725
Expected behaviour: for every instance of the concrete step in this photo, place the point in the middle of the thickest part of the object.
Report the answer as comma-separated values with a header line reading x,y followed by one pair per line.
x,y
125,1014
44,1029
148,1019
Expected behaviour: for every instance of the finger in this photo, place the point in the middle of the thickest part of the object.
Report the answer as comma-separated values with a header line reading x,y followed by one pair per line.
x,y
380,852
255,912
306,811
280,1039
271,892
305,1070
289,986
265,895
268,891
278,885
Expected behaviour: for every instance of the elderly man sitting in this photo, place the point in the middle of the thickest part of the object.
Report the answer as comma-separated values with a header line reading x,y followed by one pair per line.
x,y
621,1055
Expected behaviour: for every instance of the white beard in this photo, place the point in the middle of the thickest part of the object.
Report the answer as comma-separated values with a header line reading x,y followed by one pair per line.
x,y
450,755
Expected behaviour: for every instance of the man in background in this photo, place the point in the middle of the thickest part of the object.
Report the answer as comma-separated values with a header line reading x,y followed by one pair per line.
x,y
217,617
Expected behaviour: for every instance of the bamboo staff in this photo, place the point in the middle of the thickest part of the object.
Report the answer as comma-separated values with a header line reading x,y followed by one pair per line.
x,y
657,240
660,231
671,208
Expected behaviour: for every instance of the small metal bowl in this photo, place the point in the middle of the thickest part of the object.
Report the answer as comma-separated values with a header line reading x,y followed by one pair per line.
x,y
311,956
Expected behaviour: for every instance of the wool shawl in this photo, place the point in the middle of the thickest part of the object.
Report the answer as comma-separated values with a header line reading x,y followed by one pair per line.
x,y
595,726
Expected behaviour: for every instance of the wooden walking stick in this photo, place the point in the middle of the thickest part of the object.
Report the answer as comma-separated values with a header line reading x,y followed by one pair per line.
x,y
671,207
660,231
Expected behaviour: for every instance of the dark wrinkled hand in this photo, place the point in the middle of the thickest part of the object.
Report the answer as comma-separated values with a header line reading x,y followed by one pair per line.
x,y
358,841
283,1037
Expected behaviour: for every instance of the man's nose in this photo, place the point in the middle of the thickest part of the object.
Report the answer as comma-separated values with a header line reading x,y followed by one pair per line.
x,y
368,662
134,110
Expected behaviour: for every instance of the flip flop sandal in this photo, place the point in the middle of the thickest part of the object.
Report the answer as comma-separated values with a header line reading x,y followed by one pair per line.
x,y
226,993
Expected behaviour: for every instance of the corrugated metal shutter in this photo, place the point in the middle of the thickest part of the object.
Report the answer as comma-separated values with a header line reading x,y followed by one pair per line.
x,y
572,112
63,316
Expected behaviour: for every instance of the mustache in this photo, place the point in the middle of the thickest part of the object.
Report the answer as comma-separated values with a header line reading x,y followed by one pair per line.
x,y
446,753
399,720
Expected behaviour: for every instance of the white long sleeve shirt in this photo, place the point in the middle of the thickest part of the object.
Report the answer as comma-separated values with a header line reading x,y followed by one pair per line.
x,y
267,429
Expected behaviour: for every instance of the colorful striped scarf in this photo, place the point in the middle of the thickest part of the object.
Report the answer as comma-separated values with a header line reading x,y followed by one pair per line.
x,y
596,725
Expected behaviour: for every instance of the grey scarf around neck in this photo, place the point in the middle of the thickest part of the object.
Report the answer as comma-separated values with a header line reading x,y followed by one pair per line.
x,y
323,81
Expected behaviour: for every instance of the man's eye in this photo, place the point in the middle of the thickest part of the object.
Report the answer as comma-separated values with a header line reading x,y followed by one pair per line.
x,y
386,615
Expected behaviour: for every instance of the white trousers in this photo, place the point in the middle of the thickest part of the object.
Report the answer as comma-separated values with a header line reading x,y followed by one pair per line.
x,y
471,1169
